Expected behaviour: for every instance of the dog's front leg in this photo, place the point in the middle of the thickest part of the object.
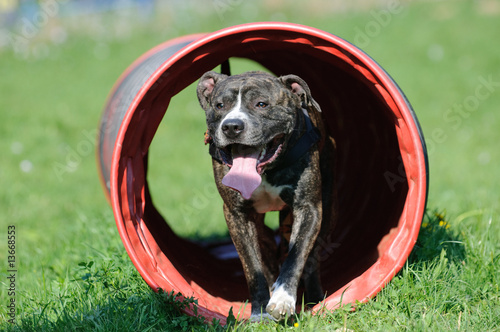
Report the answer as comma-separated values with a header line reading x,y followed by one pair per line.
x,y
307,222
244,228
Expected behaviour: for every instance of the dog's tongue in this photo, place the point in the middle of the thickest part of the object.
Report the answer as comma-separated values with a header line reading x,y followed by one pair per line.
x,y
243,175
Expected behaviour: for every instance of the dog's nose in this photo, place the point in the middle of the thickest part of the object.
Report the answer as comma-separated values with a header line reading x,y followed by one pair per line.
x,y
232,127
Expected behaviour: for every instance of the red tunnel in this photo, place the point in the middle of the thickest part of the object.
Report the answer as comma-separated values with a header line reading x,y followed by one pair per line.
x,y
382,176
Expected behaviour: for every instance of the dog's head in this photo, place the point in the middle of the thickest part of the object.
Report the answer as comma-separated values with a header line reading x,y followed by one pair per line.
x,y
253,114
251,118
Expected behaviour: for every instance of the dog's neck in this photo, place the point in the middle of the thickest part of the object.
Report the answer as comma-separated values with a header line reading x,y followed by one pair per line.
x,y
304,136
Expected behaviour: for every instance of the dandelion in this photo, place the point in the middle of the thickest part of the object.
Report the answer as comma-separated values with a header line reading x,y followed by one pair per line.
x,y
296,324
444,224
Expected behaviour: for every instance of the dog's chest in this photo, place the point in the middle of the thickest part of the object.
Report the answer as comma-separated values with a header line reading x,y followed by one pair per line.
x,y
267,197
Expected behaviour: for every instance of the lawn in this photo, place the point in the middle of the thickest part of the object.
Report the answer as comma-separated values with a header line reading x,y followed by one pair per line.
x,y
72,270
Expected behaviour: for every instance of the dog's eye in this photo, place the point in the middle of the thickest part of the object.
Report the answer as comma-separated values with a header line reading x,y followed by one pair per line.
x,y
219,106
261,104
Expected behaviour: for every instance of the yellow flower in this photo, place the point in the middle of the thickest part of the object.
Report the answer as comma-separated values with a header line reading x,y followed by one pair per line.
x,y
424,225
444,224
296,325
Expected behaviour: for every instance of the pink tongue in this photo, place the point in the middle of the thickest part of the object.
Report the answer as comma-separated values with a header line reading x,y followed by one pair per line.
x,y
243,174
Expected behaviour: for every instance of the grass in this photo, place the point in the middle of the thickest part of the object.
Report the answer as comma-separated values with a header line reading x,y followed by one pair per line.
x,y
450,283
73,273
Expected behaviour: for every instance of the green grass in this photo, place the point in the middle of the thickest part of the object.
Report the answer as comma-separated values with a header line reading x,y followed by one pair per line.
x,y
73,273
449,283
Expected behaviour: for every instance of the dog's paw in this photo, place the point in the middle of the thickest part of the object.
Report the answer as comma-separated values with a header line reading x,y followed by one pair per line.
x,y
282,303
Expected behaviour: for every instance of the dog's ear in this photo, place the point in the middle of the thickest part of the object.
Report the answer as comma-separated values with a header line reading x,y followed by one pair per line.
x,y
206,86
299,87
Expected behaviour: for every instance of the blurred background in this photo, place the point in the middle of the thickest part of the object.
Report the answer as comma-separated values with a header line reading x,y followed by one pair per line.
x,y
59,60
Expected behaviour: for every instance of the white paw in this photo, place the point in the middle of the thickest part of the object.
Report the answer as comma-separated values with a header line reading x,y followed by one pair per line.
x,y
282,303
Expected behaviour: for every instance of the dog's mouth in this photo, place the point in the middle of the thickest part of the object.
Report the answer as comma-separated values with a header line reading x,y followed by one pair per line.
x,y
247,164
264,154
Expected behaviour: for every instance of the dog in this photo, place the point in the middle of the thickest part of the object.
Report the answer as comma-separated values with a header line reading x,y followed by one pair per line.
x,y
271,152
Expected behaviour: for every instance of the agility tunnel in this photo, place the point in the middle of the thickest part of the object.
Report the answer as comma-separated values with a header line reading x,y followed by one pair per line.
x,y
381,176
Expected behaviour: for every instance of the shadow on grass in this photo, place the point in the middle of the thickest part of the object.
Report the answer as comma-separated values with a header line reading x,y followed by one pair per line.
x,y
435,237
